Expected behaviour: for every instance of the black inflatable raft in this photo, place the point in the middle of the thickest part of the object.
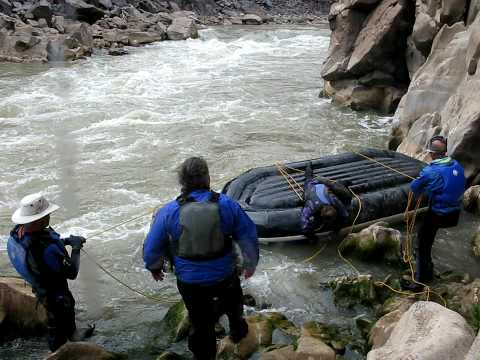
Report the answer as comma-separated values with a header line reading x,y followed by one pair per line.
x,y
275,208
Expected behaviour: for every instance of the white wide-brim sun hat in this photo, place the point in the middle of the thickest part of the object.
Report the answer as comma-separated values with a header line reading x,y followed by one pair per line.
x,y
32,208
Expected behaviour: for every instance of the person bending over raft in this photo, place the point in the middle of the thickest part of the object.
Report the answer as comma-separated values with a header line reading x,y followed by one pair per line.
x,y
197,231
326,204
443,181
38,254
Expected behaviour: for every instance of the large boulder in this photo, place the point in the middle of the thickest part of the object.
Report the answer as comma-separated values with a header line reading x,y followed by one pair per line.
x,y
83,351
376,241
182,28
428,331
382,37
471,199
345,28
20,313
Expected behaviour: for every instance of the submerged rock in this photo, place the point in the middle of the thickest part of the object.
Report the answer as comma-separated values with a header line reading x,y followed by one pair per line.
x,y
83,351
20,312
428,331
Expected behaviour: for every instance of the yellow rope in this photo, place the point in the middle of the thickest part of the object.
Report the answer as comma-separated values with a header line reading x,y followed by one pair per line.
x,y
153,298
294,185
384,165
101,267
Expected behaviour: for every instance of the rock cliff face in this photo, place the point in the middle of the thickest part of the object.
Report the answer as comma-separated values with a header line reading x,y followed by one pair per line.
x,y
425,54
363,69
442,97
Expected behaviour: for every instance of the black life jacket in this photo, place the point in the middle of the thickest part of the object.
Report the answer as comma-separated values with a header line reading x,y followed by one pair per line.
x,y
202,237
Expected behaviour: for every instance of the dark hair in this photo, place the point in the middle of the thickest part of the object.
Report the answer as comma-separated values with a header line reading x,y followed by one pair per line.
x,y
193,174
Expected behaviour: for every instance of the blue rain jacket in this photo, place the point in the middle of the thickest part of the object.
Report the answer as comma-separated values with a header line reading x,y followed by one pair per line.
x,y
443,181
234,222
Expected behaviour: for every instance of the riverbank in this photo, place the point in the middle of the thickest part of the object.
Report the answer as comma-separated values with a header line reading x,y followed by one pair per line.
x,y
42,31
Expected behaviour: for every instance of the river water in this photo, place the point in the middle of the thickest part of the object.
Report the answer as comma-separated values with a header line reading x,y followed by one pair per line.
x,y
103,137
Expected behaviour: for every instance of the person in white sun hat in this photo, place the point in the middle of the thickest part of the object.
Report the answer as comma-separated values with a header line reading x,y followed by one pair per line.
x,y
39,255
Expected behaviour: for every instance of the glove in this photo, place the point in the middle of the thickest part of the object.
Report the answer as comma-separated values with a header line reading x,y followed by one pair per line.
x,y
76,242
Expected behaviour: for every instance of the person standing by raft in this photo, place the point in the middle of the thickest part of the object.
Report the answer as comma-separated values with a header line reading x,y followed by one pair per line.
x,y
39,255
443,181
326,204
197,231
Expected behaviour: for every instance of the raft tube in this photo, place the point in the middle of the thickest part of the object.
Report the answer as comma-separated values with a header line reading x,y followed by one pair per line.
x,y
275,208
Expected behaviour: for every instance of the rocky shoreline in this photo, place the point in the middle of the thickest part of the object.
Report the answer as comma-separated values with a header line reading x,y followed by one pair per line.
x,y
64,30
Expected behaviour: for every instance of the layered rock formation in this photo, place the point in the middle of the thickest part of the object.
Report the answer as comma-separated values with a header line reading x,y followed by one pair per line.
x,y
363,69
442,98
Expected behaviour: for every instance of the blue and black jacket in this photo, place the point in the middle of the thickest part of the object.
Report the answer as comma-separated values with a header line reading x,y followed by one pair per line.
x,y
443,181
166,228
47,260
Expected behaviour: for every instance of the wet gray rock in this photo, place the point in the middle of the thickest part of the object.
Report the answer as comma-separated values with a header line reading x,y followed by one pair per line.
x,y
428,331
182,28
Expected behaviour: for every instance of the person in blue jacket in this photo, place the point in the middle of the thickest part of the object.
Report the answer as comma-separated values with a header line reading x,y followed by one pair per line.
x,y
197,232
46,265
443,182
326,204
